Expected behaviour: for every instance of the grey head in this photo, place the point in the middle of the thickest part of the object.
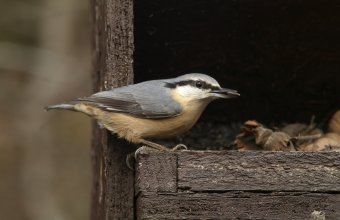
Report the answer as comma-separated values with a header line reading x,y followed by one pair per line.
x,y
198,86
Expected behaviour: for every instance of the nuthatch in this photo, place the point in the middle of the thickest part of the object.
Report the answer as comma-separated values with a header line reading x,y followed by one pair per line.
x,y
152,109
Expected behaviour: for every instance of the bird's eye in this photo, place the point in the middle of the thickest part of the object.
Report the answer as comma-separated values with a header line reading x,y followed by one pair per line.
x,y
199,84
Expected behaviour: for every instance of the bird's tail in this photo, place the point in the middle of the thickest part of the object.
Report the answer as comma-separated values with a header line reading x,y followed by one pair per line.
x,y
62,106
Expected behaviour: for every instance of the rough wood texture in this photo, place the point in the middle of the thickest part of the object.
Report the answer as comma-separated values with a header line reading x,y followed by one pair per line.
x,y
237,205
162,177
113,187
238,185
262,171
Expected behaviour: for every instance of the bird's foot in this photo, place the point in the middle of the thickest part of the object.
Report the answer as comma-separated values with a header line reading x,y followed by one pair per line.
x,y
130,161
147,149
179,147
160,148
151,149
130,158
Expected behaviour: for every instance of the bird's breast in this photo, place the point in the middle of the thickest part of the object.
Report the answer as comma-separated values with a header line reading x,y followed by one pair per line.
x,y
169,127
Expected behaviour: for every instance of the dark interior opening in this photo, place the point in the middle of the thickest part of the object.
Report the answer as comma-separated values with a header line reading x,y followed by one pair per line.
x,y
282,56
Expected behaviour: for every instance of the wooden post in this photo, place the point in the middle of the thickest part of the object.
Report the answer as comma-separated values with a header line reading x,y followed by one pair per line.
x,y
113,185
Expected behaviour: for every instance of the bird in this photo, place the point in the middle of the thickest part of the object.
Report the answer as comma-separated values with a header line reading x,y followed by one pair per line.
x,y
154,109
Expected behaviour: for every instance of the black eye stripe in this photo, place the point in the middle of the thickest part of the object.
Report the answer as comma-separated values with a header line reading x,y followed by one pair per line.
x,y
192,83
170,85
199,84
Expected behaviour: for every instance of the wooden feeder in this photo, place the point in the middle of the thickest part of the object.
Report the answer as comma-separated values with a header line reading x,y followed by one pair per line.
x,y
282,56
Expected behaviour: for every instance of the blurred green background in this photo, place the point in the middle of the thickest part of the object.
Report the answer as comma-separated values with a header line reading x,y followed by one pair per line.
x,y
45,157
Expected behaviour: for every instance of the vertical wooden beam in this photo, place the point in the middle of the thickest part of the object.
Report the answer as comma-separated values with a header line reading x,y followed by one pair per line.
x,y
113,185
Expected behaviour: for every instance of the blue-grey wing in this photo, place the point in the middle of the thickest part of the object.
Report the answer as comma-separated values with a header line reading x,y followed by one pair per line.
x,y
145,100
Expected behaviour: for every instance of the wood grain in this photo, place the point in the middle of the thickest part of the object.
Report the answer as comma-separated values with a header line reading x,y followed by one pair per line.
x,y
113,182
259,171
237,205
238,185
156,173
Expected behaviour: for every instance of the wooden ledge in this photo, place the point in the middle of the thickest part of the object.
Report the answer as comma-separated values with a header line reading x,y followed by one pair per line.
x,y
233,184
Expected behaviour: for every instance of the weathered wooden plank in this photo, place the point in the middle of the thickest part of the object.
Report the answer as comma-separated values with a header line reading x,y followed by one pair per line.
x,y
263,171
156,173
113,182
237,205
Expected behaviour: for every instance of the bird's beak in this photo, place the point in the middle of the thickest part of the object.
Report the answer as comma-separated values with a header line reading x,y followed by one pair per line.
x,y
225,93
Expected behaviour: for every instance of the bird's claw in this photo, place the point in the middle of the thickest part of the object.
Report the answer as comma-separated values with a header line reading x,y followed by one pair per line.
x,y
145,149
130,161
179,147
130,158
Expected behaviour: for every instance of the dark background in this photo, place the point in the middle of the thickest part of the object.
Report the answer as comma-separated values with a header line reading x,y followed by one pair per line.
x,y
283,56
